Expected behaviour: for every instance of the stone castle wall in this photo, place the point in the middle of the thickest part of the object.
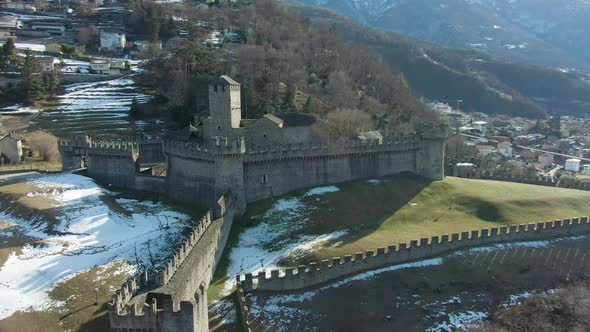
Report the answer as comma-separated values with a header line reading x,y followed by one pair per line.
x,y
175,298
279,170
325,271
256,172
113,162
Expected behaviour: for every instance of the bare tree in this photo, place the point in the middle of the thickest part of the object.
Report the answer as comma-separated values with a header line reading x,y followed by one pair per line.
x,y
45,144
88,36
345,122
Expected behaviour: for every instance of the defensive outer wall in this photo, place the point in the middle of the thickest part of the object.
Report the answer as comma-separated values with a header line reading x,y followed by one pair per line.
x,y
175,297
325,271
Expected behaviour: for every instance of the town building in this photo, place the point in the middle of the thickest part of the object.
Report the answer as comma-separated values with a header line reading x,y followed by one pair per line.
x,y
23,6
8,26
505,149
100,66
587,169
46,63
144,45
112,41
53,28
11,150
485,150
573,165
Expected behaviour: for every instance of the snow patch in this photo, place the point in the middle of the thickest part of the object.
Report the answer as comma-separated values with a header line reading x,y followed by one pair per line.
x,y
512,245
459,321
87,234
321,191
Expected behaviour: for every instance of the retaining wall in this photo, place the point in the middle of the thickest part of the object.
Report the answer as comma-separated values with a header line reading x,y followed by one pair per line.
x,y
318,273
84,78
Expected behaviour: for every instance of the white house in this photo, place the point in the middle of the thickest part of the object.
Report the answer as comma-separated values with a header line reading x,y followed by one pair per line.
x,y
587,169
481,126
46,63
54,28
112,41
100,66
11,149
505,149
573,165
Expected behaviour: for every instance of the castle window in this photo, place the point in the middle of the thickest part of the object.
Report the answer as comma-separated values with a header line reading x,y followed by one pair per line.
x,y
264,135
219,127
265,178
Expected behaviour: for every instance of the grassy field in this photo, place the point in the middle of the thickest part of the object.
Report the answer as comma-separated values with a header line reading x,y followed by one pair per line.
x,y
403,208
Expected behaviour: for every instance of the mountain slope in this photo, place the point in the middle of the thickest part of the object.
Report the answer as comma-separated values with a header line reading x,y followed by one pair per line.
x,y
482,82
547,32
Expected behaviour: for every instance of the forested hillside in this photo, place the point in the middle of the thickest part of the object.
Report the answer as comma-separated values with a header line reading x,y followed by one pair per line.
x,y
484,84
286,62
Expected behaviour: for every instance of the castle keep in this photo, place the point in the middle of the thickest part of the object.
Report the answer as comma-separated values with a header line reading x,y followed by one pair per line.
x,y
224,162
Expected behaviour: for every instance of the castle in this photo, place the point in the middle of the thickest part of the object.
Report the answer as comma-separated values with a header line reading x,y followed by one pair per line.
x,y
223,163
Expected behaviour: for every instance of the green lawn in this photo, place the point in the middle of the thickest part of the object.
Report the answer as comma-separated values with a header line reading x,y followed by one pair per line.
x,y
403,208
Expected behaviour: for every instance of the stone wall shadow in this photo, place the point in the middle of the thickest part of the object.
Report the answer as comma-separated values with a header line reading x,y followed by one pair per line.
x,y
99,323
362,209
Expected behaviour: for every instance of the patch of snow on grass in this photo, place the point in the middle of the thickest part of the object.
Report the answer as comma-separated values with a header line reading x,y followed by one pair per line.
x,y
459,321
372,274
516,299
512,245
257,249
276,237
321,190
87,234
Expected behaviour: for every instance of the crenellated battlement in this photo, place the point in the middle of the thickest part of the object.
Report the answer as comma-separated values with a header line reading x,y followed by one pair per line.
x,y
157,278
176,294
164,276
327,270
390,144
123,295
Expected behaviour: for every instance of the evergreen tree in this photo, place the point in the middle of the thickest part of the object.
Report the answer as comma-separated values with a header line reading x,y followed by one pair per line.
x,y
8,48
310,105
134,110
7,52
32,85
289,100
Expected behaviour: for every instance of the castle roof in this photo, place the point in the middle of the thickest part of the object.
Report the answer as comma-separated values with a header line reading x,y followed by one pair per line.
x,y
297,119
226,80
274,119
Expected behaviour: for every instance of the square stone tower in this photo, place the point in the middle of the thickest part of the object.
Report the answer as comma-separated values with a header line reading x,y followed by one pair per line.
x,y
225,107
